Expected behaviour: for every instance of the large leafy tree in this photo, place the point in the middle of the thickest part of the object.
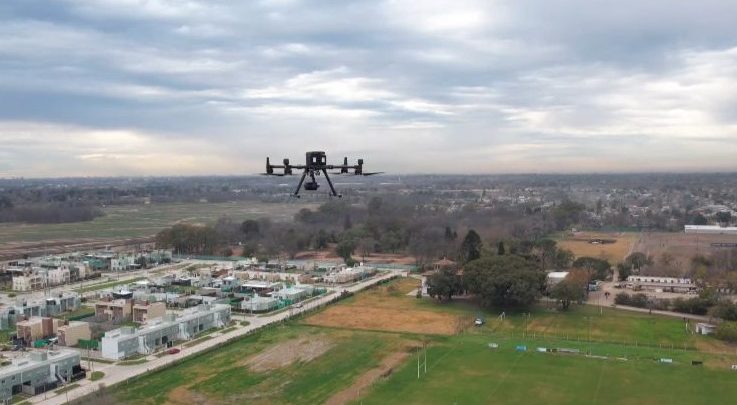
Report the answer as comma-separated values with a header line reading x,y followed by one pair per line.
x,y
444,284
471,247
571,289
597,269
505,281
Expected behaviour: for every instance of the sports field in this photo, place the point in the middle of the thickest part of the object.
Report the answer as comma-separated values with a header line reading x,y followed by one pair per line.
x,y
464,370
616,246
320,360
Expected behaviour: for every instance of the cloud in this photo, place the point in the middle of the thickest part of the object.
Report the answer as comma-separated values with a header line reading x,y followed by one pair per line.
x,y
163,87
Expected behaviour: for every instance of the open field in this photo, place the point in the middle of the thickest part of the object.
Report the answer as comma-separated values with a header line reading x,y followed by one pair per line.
x,y
146,220
289,364
388,308
463,370
581,244
133,224
336,364
682,246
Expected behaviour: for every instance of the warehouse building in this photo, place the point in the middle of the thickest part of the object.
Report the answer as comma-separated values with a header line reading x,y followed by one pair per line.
x,y
39,372
162,332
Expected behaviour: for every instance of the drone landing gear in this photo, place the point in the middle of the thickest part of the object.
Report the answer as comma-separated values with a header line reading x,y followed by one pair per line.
x,y
312,184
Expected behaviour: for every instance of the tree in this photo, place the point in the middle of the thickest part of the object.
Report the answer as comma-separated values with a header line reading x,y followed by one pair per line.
x,y
345,249
500,248
444,284
724,217
638,260
506,281
545,250
597,269
571,289
699,219
251,229
471,247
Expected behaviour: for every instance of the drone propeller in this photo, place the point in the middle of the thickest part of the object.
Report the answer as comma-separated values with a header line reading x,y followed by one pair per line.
x,y
370,173
272,174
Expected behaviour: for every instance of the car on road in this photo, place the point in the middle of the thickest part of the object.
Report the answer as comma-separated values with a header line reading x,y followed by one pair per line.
x,y
298,305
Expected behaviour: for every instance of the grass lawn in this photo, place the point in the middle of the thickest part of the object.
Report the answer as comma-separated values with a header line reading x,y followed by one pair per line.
x,y
96,375
226,376
463,370
146,220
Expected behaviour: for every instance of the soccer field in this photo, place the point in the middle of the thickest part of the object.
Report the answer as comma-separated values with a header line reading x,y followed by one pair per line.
x,y
464,370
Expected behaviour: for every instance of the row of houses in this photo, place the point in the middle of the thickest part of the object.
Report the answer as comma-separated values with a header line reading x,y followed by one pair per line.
x,y
49,306
163,332
39,372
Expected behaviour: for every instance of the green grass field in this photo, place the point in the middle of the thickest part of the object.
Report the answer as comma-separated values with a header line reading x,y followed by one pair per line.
x,y
223,376
146,220
464,370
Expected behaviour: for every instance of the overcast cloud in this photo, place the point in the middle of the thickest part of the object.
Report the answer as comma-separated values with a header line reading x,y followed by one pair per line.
x,y
163,87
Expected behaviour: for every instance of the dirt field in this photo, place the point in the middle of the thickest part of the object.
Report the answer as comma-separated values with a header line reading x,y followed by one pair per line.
x,y
291,351
388,364
387,308
682,246
581,244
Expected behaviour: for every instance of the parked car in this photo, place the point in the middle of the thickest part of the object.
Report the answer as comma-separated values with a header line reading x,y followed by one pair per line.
x,y
173,350
478,322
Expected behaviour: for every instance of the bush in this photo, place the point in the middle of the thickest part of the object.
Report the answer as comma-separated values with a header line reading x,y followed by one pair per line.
x,y
622,299
726,310
727,331
696,306
639,300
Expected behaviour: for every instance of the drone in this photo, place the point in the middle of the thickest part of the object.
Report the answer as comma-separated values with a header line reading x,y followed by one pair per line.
x,y
316,163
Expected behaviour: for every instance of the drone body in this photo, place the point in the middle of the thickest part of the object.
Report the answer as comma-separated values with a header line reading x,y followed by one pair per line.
x,y
316,164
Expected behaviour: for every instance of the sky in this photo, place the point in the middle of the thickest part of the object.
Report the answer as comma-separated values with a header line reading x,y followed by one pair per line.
x,y
212,87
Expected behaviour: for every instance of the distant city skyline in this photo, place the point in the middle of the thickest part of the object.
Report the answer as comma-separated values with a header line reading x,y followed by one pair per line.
x,y
212,87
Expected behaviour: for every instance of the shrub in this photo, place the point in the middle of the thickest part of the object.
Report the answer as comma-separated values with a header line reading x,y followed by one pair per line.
x,y
726,310
696,306
622,299
727,331
639,300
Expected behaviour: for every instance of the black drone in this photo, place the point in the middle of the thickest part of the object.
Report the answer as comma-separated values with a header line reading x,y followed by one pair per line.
x,y
316,163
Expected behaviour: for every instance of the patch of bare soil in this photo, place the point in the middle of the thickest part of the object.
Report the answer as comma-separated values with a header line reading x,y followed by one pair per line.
x,y
183,396
291,351
366,379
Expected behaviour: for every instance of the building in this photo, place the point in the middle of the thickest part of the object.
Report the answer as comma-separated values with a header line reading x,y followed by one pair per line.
x,y
711,229
349,274
163,332
661,284
705,328
29,282
119,310
39,372
70,334
259,304
115,310
555,277
67,301
37,328
292,294
144,311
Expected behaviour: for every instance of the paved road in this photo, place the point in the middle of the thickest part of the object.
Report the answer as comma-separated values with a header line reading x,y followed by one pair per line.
x,y
116,374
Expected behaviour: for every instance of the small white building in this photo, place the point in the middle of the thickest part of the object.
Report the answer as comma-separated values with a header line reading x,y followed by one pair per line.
x,y
259,304
555,277
705,328
711,229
